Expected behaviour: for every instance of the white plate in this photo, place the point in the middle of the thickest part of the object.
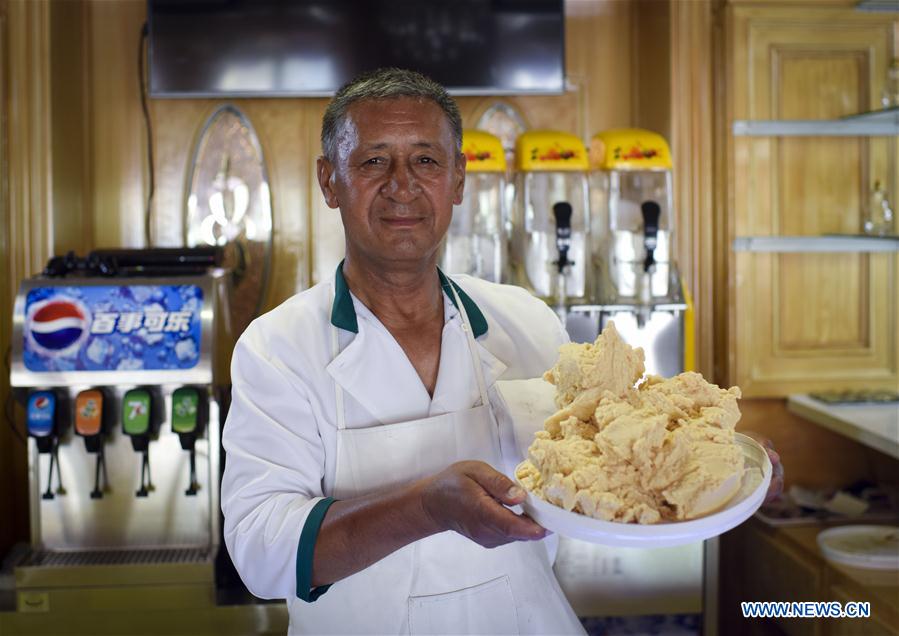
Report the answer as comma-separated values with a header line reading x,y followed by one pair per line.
x,y
661,535
870,547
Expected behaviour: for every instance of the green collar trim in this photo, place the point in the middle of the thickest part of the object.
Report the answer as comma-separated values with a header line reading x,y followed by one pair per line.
x,y
475,317
343,314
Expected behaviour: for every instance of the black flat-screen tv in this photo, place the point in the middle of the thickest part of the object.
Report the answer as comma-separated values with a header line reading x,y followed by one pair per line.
x,y
309,48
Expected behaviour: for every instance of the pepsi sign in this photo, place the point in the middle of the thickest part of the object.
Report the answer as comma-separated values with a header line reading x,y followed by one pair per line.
x,y
112,328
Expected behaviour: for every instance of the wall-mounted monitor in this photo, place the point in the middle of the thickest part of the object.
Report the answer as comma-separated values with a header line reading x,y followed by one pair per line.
x,y
309,48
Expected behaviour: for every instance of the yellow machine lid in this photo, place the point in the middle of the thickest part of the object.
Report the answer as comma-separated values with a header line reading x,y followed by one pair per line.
x,y
483,151
549,151
629,149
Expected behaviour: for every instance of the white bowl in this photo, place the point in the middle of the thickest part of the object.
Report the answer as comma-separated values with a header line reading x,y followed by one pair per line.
x,y
869,546
867,553
740,507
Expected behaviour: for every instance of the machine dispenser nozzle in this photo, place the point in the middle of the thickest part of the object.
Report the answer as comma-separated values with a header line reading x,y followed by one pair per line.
x,y
137,424
89,424
562,213
651,213
188,420
43,425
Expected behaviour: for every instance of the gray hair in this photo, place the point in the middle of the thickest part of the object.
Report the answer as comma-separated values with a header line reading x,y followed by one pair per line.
x,y
386,83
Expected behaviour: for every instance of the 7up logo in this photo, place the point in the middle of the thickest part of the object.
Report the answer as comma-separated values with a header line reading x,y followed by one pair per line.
x,y
136,408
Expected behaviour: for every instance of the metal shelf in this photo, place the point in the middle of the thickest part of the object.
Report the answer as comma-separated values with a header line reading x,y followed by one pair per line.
x,y
816,244
878,123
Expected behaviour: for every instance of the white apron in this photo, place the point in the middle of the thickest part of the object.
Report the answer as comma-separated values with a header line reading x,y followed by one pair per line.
x,y
445,583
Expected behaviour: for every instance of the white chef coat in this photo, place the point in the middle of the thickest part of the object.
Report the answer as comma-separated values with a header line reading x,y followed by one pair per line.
x,y
281,434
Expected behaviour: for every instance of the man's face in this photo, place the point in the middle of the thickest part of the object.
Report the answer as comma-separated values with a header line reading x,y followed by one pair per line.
x,y
395,178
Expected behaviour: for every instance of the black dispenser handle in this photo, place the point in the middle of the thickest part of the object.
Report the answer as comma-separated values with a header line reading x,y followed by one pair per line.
x,y
651,214
562,213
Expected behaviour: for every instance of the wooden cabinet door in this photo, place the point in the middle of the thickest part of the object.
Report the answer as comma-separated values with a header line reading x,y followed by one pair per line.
x,y
777,572
803,322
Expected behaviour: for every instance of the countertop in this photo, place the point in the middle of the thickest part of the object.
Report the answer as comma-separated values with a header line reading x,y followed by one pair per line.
x,y
874,425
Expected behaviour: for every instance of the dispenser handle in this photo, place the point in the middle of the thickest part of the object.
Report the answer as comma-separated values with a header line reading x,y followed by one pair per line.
x,y
651,214
562,214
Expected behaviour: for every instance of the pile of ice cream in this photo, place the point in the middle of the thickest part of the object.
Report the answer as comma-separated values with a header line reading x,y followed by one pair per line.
x,y
629,448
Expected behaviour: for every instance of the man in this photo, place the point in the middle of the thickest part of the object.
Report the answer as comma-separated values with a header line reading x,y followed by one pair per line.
x,y
360,437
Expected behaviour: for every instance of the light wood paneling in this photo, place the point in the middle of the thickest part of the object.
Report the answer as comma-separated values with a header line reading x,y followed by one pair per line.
x,y
692,141
9,480
118,139
599,59
653,62
806,322
27,212
72,216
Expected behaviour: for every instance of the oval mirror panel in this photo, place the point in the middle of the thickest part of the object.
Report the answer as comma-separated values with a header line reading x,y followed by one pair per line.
x,y
229,205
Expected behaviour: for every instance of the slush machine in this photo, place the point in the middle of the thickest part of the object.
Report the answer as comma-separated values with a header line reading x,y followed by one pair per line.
x,y
475,243
637,283
550,220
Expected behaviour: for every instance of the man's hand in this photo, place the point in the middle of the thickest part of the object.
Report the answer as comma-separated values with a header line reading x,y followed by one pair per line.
x,y
777,470
470,498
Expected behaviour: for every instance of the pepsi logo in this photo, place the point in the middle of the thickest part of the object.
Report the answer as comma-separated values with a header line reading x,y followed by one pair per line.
x,y
41,402
57,326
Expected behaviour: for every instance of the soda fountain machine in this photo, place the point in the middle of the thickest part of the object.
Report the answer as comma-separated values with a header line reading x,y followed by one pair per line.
x,y
127,350
476,241
550,221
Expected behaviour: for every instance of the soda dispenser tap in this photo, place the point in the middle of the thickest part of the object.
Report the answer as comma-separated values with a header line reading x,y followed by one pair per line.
x,y
137,423
188,421
89,424
651,214
45,427
562,214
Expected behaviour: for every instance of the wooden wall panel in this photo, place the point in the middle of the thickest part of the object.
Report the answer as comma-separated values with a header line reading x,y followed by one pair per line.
x,y
72,214
692,143
9,479
118,139
27,212
807,322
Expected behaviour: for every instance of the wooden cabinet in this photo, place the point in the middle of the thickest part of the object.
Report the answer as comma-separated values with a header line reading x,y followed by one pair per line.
x,y
802,322
878,624
785,564
781,573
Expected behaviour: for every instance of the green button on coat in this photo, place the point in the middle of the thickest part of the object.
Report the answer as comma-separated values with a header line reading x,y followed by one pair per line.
x,y
136,412
185,406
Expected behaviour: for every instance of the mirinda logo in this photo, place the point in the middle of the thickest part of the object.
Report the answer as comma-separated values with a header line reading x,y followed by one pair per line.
x,y
57,326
